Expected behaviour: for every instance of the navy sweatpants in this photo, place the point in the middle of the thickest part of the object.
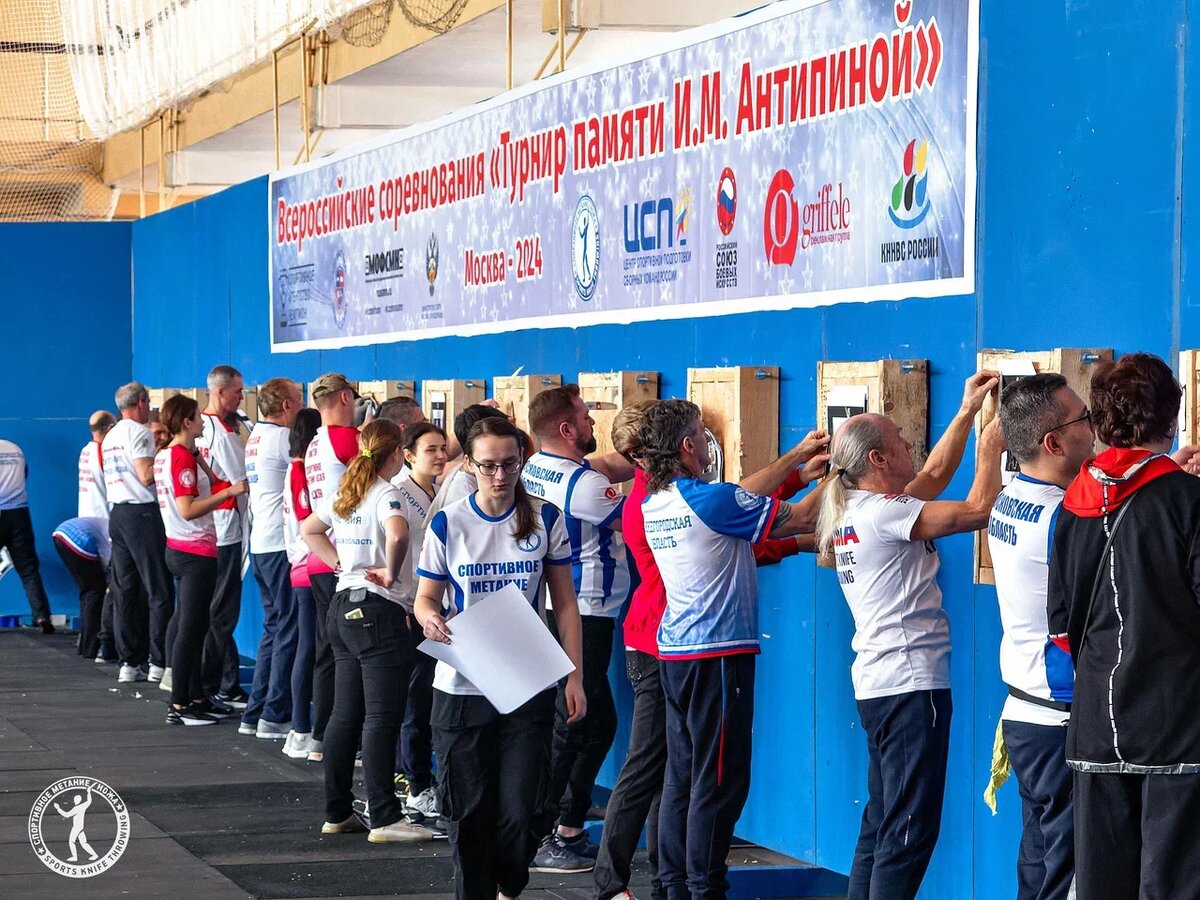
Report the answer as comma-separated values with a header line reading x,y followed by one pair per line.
x,y
710,717
1046,860
908,738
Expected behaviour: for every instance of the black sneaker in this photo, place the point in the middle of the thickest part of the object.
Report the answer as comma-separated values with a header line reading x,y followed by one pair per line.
x,y
46,626
362,810
213,707
235,699
189,715
558,856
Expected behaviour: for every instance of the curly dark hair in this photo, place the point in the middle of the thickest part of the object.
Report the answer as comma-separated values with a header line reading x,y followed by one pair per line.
x,y
666,425
1134,401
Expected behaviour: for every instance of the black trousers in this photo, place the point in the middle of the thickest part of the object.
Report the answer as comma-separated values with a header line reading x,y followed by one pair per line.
x,y
322,683
414,752
1046,860
196,579
637,796
108,640
1136,837
579,750
710,720
221,660
908,738
144,597
491,774
372,662
16,534
93,586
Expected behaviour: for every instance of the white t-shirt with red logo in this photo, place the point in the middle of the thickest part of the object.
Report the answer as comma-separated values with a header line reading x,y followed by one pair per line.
x,y
93,496
295,511
902,634
267,464
126,441
220,448
176,474
329,452
362,542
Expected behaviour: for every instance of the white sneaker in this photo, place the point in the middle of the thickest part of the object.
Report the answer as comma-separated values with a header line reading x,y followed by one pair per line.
x,y
156,673
315,753
423,805
164,683
297,745
399,833
129,674
271,731
247,728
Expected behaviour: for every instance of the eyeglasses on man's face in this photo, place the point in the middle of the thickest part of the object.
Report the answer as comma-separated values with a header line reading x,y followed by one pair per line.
x,y
511,466
1086,417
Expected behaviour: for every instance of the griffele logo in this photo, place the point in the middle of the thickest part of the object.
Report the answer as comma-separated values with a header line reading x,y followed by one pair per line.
x,y
826,221
910,195
781,220
726,201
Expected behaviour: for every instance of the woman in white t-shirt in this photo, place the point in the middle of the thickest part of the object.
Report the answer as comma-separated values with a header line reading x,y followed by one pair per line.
x,y
365,626
492,766
879,519
186,503
425,454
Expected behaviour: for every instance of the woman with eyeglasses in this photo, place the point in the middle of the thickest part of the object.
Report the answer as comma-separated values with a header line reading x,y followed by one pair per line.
x,y
491,765
365,626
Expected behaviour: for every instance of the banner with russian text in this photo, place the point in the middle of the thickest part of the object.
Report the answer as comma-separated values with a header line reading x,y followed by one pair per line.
x,y
804,154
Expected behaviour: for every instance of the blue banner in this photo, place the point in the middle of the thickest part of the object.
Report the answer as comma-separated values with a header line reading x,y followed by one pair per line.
x,y
806,153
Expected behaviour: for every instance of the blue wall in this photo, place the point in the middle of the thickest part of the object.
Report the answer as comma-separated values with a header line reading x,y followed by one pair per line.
x,y
66,336
1082,239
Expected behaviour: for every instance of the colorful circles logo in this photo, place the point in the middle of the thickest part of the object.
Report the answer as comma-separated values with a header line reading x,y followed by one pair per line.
x,y
726,201
910,195
89,806
339,289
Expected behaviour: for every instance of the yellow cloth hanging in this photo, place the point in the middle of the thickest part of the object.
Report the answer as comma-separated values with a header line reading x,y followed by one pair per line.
x,y
1001,768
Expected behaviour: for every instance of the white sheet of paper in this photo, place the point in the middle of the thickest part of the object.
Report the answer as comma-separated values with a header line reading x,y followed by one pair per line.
x,y
852,396
503,647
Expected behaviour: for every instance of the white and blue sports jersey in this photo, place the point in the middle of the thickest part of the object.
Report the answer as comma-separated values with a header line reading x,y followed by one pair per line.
x,y
13,470
589,503
700,535
1020,537
476,555
86,536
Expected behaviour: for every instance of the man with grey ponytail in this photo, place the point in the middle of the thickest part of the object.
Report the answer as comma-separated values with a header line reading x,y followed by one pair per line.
x,y
700,536
879,518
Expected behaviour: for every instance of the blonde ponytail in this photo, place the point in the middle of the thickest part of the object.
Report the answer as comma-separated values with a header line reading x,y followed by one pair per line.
x,y
377,442
849,463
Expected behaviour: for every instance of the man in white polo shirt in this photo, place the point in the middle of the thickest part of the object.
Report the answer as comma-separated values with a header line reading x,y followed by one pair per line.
x,y
93,497
591,507
1049,434
145,594
16,532
220,448
267,465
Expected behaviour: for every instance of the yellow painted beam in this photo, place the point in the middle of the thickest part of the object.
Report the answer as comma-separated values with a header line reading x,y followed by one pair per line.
x,y
252,94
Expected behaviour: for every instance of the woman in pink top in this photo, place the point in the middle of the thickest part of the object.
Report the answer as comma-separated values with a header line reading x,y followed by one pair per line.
x,y
186,503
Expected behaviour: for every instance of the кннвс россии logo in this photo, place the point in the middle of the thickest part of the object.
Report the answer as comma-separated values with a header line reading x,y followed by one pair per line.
x,y
79,827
